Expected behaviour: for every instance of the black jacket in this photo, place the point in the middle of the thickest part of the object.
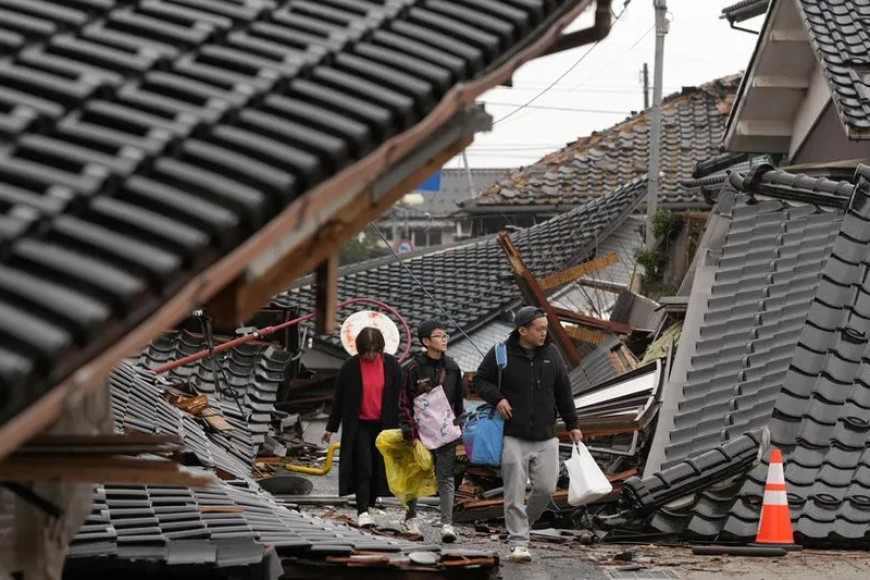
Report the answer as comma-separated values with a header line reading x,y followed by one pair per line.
x,y
346,406
535,384
419,369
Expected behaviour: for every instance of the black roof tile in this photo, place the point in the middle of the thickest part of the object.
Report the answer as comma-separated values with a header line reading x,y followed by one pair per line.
x,y
744,10
816,395
838,33
605,160
488,287
142,141
168,524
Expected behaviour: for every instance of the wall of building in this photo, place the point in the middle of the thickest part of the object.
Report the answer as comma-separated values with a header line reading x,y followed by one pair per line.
x,y
827,141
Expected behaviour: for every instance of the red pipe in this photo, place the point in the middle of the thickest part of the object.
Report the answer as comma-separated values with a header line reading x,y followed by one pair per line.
x,y
273,329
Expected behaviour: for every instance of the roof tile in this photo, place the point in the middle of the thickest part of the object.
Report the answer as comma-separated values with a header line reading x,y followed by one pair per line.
x,y
605,160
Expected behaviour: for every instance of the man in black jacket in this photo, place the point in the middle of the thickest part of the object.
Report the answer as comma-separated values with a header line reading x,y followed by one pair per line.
x,y
533,386
428,370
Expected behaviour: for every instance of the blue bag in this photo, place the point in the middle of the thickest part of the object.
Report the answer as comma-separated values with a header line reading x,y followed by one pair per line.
x,y
483,428
483,436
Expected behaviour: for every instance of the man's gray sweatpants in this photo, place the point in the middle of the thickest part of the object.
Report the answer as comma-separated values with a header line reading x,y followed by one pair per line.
x,y
537,461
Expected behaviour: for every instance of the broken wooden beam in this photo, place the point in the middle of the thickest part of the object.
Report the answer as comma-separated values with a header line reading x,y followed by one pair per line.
x,y
585,335
572,274
326,295
590,322
95,469
534,296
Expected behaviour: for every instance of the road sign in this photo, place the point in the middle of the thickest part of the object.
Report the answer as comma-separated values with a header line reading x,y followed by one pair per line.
x,y
359,320
405,247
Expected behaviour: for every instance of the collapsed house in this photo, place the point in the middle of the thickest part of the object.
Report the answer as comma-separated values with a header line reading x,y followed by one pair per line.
x,y
774,338
167,156
470,281
230,525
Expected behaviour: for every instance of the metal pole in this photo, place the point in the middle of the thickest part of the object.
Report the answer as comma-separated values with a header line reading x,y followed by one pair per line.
x,y
645,86
468,173
656,121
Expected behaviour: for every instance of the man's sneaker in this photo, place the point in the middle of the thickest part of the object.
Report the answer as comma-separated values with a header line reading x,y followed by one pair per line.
x,y
364,520
448,534
411,527
520,554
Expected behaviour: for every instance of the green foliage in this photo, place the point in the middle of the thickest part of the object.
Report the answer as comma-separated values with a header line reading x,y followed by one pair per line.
x,y
358,249
665,224
653,261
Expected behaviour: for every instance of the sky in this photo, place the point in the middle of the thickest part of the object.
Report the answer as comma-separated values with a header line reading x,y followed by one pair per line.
x,y
604,86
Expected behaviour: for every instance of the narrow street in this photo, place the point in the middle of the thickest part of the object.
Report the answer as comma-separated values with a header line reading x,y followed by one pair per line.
x,y
611,561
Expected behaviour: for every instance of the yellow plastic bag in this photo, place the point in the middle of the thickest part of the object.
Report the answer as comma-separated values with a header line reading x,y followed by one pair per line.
x,y
410,469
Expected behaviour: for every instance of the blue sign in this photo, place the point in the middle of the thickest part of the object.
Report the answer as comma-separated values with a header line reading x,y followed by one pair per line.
x,y
432,184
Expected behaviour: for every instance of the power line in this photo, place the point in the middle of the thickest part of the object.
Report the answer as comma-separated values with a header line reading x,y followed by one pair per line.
x,y
587,88
549,108
564,74
517,146
611,61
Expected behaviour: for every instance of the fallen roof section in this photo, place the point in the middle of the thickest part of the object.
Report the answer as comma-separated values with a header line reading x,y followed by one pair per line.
x,y
693,122
233,522
157,155
473,281
782,342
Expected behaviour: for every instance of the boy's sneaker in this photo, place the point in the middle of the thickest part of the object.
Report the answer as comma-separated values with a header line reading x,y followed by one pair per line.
x,y
448,534
411,527
364,520
520,554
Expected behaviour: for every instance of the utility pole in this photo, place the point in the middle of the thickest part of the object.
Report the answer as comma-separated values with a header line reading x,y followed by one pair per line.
x,y
645,74
468,173
656,122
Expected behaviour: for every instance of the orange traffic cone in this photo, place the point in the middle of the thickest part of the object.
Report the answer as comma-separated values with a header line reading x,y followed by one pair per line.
x,y
775,525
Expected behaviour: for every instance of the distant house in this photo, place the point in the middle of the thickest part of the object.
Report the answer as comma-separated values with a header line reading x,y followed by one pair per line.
x,y
428,217
693,124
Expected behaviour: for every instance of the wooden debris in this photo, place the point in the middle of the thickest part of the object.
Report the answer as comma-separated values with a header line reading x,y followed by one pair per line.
x,y
106,469
484,509
128,444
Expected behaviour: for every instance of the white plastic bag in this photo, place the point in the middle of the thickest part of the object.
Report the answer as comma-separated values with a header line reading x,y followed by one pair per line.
x,y
587,481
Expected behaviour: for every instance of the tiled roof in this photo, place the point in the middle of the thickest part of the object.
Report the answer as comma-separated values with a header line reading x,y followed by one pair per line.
x,y
227,523
783,345
693,122
455,187
473,281
141,142
839,35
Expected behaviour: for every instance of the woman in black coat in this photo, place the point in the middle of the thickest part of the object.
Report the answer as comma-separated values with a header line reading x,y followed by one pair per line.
x,y
366,401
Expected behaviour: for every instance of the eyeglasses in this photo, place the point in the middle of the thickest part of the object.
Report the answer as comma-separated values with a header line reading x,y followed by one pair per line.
x,y
444,336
